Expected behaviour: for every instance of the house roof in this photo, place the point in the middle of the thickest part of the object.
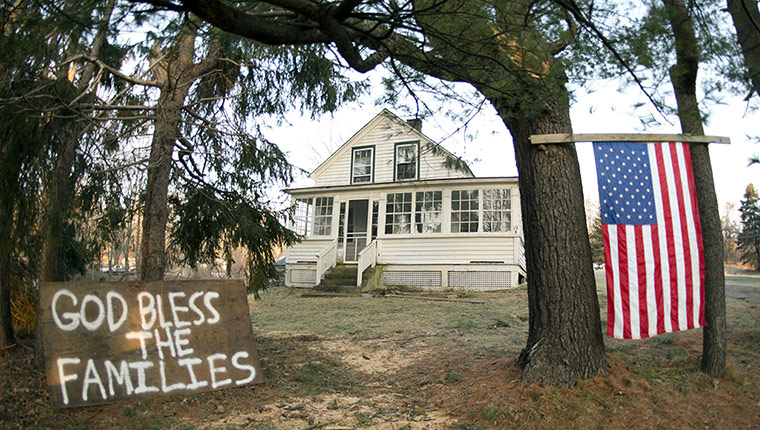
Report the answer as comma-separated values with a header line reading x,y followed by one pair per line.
x,y
385,113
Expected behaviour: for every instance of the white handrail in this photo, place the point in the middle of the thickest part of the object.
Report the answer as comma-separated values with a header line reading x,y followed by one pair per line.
x,y
326,259
367,258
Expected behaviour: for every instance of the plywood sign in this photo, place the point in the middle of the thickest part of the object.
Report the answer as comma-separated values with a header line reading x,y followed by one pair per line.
x,y
112,341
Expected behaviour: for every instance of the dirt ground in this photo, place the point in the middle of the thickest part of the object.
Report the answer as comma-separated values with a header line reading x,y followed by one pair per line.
x,y
386,363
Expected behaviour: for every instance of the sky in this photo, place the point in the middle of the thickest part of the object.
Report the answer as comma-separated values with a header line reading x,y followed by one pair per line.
x,y
488,146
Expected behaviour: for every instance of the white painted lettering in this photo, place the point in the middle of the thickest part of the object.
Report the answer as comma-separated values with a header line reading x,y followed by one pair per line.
x,y
189,363
201,318
148,308
207,301
114,325
73,317
141,336
121,375
213,370
101,315
236,363
63,378
176,309
160,344
142,387
164,387
160,309
91,375
179,342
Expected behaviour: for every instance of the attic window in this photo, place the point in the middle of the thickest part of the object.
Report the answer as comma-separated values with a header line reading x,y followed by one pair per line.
x,y
406,161
362,164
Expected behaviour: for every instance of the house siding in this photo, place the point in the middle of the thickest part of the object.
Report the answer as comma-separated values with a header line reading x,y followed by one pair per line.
x,y
306,251
383,136
463,249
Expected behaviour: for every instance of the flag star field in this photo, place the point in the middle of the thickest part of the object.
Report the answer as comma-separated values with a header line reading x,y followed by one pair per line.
x,y
625,184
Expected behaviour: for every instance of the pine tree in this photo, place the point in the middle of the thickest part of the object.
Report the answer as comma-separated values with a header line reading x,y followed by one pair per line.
x,y
749,238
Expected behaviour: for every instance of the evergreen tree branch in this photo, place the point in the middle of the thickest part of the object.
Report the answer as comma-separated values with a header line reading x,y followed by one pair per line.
x,y
113,71
574,9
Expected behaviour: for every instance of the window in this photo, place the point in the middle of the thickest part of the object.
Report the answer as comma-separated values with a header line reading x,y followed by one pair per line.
x,y
497,214
427,213
406,161
361,165
398,213
464,211
341,221
323,209
302,216
375,210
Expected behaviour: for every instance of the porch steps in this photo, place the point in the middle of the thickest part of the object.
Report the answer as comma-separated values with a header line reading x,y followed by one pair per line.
x,y
341,279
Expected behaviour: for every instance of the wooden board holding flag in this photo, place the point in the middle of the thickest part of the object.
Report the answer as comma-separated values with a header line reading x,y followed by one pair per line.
x,y
654,261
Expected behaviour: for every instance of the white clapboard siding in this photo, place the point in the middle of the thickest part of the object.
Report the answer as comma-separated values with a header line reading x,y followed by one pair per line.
x,y
447,250
383,136
306,251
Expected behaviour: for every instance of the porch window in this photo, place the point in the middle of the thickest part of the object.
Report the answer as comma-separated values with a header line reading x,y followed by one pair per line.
x,y
427,214
406,161
464,211
375,211
361,165
323,209
341,221
398,213
302,216
497,214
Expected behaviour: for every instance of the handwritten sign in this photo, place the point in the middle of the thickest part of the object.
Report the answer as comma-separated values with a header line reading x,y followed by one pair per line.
x,y
113,341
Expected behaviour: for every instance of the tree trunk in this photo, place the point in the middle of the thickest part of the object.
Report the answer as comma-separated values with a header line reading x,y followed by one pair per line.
x,y
6,323
746,17
166,132
138,242
174,78
683,76
564,337
127,244
58,196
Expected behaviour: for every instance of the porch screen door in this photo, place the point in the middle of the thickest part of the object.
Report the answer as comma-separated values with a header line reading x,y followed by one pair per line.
x,y
356,229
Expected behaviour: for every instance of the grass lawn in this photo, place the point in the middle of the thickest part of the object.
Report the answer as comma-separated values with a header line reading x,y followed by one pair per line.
x,y
388,363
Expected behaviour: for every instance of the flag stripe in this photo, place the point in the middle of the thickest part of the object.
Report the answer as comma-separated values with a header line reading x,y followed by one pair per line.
x,y
658,295
625,280
615,312
641,268
695,245
661,249
700,289
672,235
683,211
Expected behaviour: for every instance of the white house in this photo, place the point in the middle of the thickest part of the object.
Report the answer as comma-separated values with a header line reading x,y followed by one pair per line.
x,y
386,198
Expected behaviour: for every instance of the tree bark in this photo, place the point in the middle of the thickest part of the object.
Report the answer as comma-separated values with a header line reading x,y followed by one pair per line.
x,y
564,337
59,194
166,132
746,17
174,78
683,76
6,322
138,241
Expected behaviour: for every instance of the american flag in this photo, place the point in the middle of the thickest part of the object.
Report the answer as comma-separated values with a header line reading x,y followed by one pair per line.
x,y
652,238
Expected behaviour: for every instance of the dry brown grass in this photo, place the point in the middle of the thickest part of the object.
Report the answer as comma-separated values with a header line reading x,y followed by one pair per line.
x,y
353,362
